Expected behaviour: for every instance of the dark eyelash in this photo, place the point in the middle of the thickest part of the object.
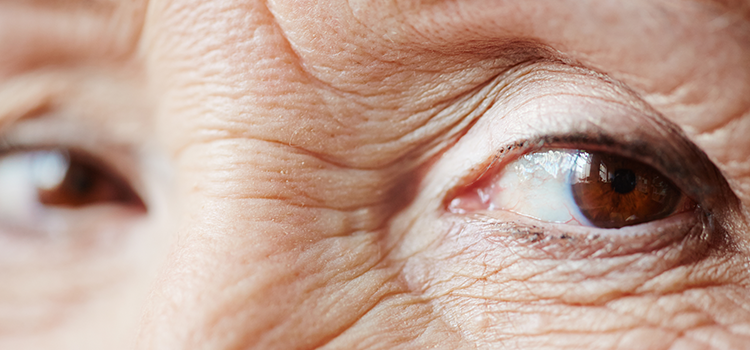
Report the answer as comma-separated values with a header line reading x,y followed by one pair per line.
x,y
685,164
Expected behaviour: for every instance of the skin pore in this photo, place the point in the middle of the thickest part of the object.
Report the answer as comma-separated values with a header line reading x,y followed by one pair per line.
x,y
296,161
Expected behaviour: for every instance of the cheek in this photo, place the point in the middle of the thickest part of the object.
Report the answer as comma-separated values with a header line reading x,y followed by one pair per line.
x,y
499,283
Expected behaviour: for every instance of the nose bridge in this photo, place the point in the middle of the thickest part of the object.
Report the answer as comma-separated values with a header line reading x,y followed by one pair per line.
x,y
262,249
280,243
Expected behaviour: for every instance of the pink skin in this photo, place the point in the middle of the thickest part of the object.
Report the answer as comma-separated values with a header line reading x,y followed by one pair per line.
x,y
296,158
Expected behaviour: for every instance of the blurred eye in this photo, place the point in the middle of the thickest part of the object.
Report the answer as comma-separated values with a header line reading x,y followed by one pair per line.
x,y
32,182
579,187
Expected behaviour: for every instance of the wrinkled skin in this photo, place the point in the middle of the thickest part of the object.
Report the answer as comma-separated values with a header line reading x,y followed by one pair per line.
x,y
296,157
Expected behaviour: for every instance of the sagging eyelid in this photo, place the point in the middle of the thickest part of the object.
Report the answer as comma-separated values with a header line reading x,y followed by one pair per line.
x,y
548,105
676,157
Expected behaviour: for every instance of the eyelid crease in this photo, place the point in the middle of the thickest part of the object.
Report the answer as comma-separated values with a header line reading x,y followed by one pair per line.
x,y
116,159
547,105
613,119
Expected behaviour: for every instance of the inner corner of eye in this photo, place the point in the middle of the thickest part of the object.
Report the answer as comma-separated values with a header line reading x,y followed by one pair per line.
x,y
575,187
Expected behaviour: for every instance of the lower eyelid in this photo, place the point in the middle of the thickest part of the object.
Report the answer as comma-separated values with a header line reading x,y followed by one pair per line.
x,y
568,242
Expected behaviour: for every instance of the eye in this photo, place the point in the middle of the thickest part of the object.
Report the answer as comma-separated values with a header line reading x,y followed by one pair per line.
x,y
578,187
35,181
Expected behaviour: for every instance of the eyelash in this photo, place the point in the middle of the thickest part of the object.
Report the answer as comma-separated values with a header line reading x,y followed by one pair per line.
x,y
48,189
55,219
508,154
639,151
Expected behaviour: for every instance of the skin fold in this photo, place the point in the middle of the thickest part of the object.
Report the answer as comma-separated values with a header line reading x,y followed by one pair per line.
x,y
296,160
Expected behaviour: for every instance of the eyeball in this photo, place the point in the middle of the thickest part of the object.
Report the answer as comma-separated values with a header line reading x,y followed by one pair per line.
x,y
33,182
577,187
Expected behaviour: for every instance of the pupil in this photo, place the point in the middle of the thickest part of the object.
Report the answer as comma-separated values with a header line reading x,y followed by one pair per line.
x,y
624,181
80,180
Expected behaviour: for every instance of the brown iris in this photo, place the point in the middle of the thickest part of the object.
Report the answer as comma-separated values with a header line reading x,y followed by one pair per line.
x,y
85,183
613,191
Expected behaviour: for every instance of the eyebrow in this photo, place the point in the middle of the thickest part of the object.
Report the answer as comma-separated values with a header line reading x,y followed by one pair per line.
x,y
71,30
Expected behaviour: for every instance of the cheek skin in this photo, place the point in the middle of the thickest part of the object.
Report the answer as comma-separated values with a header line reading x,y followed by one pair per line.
x,y
498,290
277,273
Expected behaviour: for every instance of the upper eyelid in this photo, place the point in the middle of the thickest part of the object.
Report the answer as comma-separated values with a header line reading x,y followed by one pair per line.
x,y
47,132
103,111
113,99
697,178
643,135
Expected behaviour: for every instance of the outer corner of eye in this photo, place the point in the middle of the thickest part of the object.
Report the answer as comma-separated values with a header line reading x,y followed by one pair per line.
x,y
574,187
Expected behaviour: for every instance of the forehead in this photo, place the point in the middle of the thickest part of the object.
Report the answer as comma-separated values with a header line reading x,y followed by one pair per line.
x,y
122,20
656,47
686,57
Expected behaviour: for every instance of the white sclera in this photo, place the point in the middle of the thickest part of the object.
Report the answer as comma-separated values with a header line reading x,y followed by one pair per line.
x,y
49,169
22,175
539,185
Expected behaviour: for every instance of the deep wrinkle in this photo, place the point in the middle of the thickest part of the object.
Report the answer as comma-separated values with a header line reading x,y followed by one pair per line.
x,y
701,182
687,232
611,119
674,156
252,258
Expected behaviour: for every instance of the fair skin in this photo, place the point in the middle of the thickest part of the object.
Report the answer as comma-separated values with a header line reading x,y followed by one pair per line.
x,y
295,160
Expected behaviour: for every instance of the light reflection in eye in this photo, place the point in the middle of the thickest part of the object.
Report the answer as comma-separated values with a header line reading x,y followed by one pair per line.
x,y
48,168
539,185
20,175
577,187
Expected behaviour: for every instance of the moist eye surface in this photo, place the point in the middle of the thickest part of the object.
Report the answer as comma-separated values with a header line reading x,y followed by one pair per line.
x,y
35,182
612,191
577,187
